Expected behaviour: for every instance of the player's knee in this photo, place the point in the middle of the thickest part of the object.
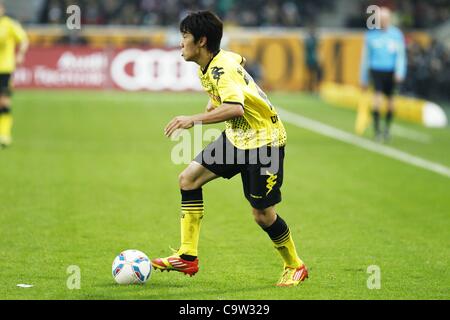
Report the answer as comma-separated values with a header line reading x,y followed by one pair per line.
x,y
186,182
264,217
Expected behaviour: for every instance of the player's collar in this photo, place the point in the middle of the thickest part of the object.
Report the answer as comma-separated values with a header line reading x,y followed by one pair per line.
x,y
207,66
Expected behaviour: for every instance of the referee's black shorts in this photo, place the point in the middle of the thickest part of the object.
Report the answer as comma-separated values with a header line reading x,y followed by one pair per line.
x,y
261,169
383,81
5,84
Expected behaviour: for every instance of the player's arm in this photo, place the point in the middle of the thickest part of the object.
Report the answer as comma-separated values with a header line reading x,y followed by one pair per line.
x,y
21,38
364,72
401,62
229,91
226,111
23,48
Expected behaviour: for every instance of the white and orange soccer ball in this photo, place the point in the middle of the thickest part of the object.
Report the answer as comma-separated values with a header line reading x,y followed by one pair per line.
x,y
131,267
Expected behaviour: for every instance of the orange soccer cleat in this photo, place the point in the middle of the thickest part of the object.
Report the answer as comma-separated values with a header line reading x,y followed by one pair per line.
x,y
175,263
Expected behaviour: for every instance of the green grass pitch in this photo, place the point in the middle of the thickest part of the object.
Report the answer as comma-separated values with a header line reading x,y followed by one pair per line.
x,y
90,175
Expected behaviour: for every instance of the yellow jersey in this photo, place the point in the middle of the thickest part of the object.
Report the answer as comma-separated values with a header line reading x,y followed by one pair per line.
x,y
11,33
226,81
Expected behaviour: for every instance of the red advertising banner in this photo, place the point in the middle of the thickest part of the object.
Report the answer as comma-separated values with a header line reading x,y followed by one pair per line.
x,y
129,69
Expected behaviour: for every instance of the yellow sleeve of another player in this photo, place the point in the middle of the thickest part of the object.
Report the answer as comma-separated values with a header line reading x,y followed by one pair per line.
x,y
18,32
228,86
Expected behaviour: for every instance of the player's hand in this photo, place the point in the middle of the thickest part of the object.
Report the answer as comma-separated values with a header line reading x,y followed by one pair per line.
x,y
398,80
19,59
364,87
180,122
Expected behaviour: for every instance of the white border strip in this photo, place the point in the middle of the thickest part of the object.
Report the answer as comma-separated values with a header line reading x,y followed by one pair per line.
x,y
343,136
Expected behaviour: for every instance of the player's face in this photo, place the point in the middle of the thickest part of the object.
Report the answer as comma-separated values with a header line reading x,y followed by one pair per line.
x,y
189,49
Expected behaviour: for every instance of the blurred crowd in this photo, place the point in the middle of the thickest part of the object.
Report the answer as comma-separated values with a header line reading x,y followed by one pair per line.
x,y
410,14
428,71
422,14
169,12
428,67
290,13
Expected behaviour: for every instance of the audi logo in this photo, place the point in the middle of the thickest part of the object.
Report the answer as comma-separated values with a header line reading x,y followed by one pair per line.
x,y
154,70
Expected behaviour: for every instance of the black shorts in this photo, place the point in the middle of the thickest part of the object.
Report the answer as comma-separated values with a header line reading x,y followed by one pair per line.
x,y
261,169
5,84
383,82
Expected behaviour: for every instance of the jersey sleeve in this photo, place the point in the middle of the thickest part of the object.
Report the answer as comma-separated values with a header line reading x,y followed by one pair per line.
x,y
18,32
228,86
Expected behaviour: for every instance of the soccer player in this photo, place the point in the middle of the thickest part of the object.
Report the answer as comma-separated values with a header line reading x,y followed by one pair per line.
x,y
384,57
11,35
253,130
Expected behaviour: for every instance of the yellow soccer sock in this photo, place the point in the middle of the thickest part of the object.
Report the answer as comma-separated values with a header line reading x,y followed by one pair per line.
x,y
191,216
288,252
280,235
363,114
6,122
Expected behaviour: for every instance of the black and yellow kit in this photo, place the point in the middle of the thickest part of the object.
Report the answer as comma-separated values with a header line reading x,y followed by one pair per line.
x,y
252,145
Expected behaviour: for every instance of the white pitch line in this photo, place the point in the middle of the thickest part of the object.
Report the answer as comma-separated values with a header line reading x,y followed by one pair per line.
x,y
410,134
346,137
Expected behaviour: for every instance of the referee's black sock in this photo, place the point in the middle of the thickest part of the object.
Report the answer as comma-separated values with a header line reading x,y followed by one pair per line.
x,y
376,121
389,117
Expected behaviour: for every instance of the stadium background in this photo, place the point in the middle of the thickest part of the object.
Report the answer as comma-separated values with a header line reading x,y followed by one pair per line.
x,y
272,39
90,106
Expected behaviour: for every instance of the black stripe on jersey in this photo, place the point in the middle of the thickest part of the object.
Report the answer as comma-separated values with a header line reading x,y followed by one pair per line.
x,y
233,102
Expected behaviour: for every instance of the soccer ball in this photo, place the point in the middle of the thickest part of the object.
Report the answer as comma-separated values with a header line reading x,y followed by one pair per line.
x,y
130,267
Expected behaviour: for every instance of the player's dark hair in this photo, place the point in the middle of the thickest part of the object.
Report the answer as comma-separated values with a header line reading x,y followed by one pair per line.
x,y
204,24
